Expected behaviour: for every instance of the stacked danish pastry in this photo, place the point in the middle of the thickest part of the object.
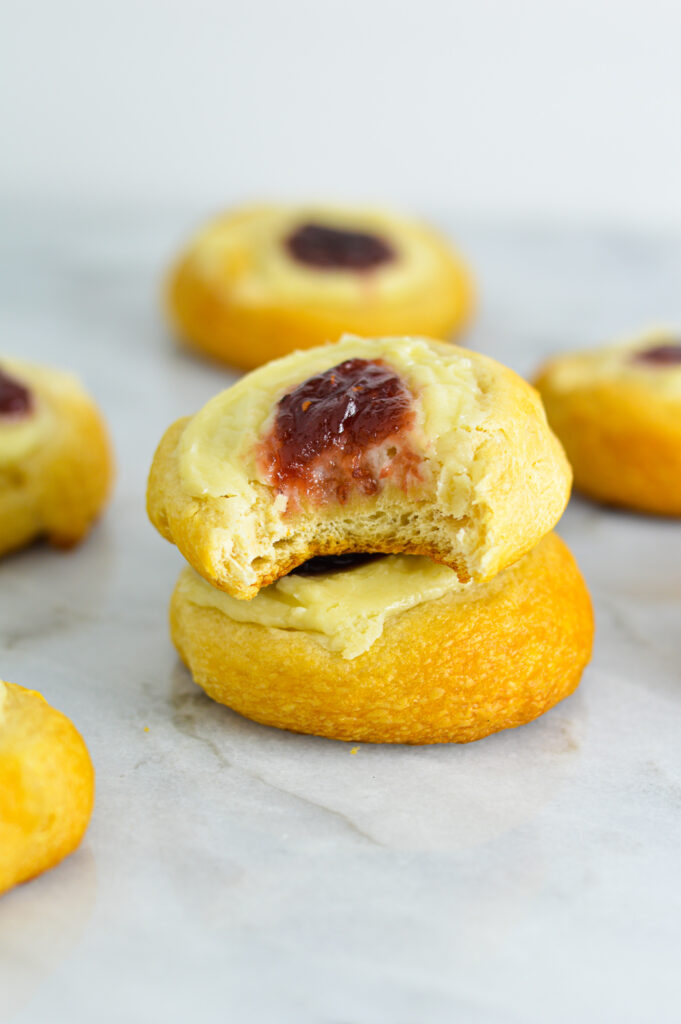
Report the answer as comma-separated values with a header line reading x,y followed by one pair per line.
x,y
368,531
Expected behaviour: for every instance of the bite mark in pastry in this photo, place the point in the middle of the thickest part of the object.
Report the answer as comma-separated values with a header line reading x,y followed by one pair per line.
x,y
414,447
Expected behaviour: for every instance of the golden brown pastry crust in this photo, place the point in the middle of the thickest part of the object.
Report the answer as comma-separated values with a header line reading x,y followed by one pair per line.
x,y
450,670
621,435
214,319
59,488
515,483
46,786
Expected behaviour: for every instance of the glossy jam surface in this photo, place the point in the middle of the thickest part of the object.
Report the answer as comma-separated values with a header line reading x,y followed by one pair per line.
x,y
322,565
15,398
660,355
335,249
341,431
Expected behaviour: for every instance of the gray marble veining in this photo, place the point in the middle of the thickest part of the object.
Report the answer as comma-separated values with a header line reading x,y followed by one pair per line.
x,y
233,872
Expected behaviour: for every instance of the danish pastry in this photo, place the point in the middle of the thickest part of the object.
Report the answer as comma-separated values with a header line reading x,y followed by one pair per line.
x,y
394,445
55,461
393,650
46,786
617,411
262,281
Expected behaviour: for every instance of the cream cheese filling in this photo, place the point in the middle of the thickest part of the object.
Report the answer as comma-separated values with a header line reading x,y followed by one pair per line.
x,y
345,611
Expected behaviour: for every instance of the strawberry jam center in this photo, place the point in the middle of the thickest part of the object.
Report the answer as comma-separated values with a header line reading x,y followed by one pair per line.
x,y
660,355
15,398
327,248
341,431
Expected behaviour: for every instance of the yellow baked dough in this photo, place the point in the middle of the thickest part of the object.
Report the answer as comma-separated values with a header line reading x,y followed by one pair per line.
x,y
475,660
494,479
46,786
237,294
619,420
55,463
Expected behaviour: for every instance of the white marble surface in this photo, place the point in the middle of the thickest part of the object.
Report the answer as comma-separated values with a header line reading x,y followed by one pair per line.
x,y
235,873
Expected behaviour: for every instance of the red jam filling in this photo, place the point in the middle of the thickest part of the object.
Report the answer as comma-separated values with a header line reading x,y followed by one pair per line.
x,y
660,355
322,565
334,249
340,432
15,398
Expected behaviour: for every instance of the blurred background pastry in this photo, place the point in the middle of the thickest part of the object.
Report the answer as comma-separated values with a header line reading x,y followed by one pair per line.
x,y
46,785
260,281
56,464
617,411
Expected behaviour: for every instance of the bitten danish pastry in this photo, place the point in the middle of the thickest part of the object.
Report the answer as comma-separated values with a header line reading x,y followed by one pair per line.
x,y
617,411
394,445
369,525
46,786
262,281
396,650
55,461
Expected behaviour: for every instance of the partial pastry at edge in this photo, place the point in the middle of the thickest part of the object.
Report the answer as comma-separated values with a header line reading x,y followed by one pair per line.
x,y
55,457
398,445
46,786
617,411
427,659
262,281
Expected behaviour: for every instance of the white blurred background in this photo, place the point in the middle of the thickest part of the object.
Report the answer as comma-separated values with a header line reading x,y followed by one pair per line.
x,y
492,108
